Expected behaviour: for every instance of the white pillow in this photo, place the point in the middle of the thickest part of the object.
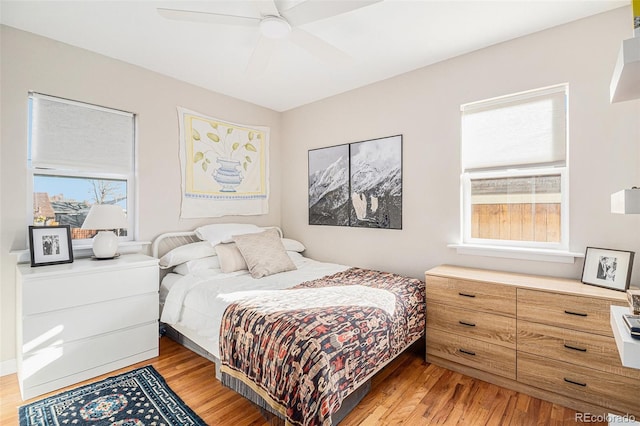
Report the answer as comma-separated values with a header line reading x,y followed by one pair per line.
x,y
298,259
210,262
293,245
230,258
186,252
217,233
264,253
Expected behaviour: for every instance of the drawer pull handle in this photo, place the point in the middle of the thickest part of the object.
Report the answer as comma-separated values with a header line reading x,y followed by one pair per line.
x,y
466,294
467,352
575,348
468,324
575,383
575,313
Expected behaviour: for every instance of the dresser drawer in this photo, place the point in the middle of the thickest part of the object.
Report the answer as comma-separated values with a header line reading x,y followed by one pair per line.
x,y
567,311
474,353
67,325
51,293
575,347
49,364
596,387
483,326
473,295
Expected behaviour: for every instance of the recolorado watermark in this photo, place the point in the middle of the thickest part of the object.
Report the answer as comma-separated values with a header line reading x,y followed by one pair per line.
x,y
601,418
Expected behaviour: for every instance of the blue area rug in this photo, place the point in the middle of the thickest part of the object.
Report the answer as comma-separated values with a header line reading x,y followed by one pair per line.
x,y
139,397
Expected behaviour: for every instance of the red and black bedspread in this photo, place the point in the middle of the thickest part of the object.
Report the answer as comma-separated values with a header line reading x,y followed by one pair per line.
x,y
303,363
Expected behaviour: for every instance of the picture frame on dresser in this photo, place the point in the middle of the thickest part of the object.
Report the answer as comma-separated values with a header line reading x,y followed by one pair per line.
x,y
50,245
608,268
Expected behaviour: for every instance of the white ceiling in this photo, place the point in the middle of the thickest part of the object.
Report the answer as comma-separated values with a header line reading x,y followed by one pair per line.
x,y
383,40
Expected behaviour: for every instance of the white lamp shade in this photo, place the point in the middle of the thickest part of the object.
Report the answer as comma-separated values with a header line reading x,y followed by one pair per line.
x,y
105,216
626,201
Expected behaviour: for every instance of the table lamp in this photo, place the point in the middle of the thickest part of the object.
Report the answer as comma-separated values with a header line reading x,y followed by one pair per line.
x,y
105,218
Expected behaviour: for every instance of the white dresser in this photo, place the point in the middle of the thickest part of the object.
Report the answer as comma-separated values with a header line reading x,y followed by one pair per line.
x,y
79,320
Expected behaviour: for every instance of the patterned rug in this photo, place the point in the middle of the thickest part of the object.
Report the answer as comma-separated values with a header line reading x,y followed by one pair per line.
x,y
139,397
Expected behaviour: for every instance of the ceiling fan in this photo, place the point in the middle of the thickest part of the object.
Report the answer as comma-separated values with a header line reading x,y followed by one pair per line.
x,y
276,22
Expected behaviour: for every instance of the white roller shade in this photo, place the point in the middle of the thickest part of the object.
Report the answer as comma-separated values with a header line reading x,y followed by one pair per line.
x,y
523,129
72,135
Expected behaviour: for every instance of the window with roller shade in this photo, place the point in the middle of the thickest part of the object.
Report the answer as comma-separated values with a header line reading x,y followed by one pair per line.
x,y
79,155
515,170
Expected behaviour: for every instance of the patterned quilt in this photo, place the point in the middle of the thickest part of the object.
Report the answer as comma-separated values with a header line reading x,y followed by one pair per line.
x,y
302,363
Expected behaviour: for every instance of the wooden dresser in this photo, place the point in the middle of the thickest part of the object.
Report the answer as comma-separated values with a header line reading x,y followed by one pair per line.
x,y
547,337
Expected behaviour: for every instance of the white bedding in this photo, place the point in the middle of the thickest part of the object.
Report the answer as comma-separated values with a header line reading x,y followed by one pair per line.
x,y
198,300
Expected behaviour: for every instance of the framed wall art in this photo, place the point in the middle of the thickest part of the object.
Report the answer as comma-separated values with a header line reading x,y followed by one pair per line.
x,y
329,186
376,183
50,245
357,184
607,268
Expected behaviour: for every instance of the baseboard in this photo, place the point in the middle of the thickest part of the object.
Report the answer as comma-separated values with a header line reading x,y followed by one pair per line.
x,y
8,367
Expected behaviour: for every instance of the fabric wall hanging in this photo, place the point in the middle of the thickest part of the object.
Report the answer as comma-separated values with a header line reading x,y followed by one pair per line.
x,y
225,167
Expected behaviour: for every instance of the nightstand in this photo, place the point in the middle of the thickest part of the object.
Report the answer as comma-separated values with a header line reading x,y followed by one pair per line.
x,y
79,320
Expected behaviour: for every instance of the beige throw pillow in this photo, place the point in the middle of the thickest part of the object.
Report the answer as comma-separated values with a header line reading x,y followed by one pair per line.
x,y
230,258
264,253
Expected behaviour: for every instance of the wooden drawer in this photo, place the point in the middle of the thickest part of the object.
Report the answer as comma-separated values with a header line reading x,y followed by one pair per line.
x,y
483,326
474,353
473,295
67,325
63,291
575,347
575,312
607,390
49,364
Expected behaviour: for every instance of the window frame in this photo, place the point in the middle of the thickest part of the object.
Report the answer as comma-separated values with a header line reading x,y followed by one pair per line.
x,y
130,178
466,208
516,170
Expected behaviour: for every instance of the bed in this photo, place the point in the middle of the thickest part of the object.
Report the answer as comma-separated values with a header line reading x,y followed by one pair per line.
x,y
298,337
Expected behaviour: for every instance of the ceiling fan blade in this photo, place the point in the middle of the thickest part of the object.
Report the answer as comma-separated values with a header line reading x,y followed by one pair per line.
x,y
318,47
314,10
260,56
206,17
266,8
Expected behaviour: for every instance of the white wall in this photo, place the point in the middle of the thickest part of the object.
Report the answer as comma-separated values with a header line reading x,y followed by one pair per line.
x,y
30,62
424,106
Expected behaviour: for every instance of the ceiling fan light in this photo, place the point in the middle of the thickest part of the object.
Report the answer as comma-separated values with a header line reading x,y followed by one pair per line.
x,y
274,27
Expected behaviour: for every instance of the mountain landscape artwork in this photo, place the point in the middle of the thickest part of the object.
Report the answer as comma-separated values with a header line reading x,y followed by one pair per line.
x,y
376,183
357,184
329,186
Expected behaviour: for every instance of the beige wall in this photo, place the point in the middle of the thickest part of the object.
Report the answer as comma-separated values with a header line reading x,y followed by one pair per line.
x,y
424,106
34,63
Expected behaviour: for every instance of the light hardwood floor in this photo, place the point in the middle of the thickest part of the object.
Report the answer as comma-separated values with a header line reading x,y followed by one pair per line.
x,y
408,391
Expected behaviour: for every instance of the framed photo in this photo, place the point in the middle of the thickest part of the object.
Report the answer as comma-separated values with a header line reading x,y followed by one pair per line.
x,y
376,183
329,186
357,184
608,268
50,245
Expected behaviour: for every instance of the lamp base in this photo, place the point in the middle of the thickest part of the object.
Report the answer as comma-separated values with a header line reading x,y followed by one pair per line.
x,y
105,245
117,255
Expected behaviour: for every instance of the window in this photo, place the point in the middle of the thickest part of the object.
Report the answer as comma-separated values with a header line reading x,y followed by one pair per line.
x,y
514,170
79,155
